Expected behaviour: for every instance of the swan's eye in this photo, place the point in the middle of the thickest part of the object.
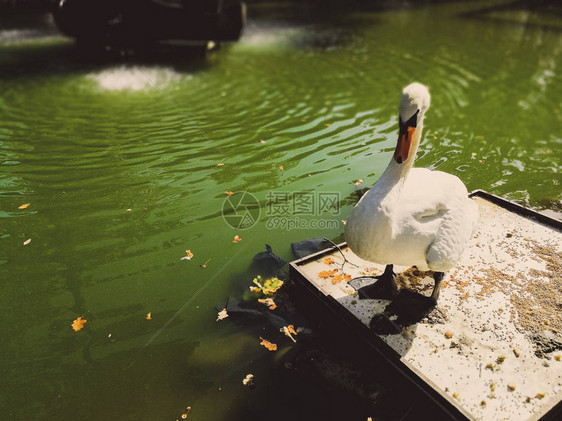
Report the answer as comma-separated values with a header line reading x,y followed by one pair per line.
x,y
412,122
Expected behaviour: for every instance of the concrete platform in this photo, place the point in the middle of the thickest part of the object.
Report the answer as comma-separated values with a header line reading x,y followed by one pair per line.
x,y
491,349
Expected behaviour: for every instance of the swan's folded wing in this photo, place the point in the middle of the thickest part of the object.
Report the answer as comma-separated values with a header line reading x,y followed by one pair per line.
x,y
455,230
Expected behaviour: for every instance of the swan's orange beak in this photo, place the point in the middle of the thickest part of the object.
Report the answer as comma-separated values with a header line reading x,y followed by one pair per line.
x,y
404,143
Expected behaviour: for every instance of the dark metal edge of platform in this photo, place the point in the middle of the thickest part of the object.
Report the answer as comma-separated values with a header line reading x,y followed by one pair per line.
x,y
518,209
449,407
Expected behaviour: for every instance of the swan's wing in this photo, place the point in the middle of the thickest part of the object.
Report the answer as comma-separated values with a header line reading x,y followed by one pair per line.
x,y
443,206
426,195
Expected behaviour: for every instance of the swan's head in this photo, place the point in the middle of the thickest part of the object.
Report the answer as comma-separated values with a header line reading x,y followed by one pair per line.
x,y
413,105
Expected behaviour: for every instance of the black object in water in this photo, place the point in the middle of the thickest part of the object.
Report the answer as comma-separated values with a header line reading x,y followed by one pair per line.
x,y
304,248
268,259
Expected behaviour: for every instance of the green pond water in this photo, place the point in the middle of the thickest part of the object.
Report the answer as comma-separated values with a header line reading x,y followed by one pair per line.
x,y
118,161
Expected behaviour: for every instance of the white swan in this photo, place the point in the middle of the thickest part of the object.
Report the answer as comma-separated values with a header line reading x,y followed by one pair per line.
x,y
411,216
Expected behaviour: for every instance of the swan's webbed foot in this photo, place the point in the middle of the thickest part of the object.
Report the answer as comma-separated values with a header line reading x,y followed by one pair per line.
x,y
411,307
383,288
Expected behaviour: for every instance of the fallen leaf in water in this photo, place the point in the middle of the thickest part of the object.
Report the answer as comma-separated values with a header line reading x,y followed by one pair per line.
x,y
222,314
255,289
26,242
268,287
262,141
281,167
236,239
291,329
268,345
328,260
189,255
248,380
328,124
220,165
24,206
186,413
344,221
268,302
229,192
149,316
287,332
128,210
78,323
358,183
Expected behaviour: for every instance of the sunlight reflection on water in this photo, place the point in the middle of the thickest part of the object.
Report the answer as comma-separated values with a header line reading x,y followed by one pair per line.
x,y
136,78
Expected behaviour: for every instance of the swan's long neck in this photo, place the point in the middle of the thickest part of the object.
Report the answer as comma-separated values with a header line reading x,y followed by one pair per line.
x,y
395,173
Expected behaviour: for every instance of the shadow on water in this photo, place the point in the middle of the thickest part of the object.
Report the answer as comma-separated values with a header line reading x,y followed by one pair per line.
x,y
31,45
65,58
525,13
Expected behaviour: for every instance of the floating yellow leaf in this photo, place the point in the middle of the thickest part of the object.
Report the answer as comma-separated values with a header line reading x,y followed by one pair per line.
x,y
236,239
268,302
248,380
262,141
149,316
358,183
24,206
220,165
26,242
229,192
222,314
189,255
268,287
186,413
287,332
328,260
281,167
78,323
268,345
291,329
